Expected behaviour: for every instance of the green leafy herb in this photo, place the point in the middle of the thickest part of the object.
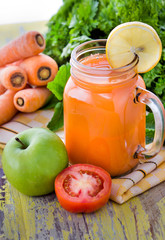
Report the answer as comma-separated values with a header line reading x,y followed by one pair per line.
x,y
57,121
57,88
58,84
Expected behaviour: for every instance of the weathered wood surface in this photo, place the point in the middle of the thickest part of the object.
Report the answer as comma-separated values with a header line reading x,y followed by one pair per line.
x,y
23,217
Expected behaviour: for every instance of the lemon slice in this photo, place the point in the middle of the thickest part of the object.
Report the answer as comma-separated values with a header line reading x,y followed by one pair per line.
x,y
133,37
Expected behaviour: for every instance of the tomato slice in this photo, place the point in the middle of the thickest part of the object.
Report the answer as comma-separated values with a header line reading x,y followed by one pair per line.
x,y
83,188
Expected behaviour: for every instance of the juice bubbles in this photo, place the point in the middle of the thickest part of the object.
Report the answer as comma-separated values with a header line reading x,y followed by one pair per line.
x,y
103,123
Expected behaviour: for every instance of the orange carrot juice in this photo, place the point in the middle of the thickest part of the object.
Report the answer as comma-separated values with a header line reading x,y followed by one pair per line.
x,y
103,124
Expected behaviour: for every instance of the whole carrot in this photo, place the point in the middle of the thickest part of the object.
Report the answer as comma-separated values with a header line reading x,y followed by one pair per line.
x,y
13,77
2,89
27,45
7,108
40,69
31,99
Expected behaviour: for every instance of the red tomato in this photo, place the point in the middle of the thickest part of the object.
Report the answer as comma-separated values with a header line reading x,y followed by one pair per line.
x,y
83,188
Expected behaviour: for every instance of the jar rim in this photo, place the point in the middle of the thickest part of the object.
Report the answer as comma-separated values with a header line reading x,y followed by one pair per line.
x,y
76,53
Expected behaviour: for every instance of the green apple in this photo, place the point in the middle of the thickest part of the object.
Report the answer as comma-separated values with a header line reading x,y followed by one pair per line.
x,y
32,160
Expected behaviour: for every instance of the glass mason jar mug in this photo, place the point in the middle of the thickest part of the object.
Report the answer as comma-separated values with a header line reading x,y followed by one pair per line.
x,y
105,112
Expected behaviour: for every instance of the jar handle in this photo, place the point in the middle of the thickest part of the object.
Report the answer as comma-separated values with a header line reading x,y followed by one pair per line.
x,y
154,103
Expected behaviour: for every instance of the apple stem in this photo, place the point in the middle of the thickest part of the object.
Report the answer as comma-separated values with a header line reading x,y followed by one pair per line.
x,y
18,140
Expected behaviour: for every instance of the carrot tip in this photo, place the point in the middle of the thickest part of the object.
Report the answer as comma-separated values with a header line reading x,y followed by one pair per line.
x,y
20,101
39,40
44,73
17,80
